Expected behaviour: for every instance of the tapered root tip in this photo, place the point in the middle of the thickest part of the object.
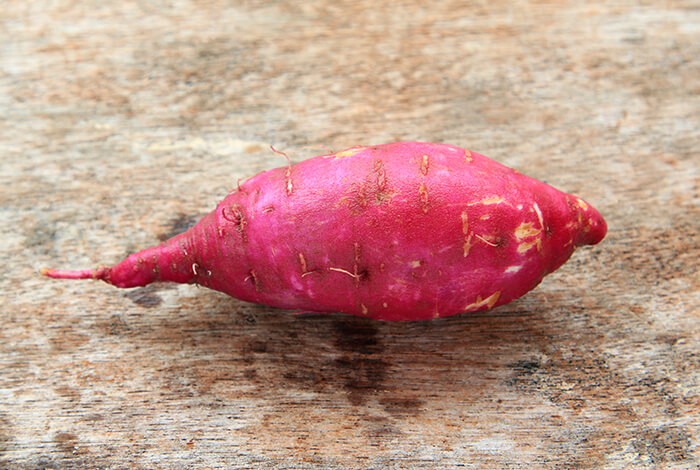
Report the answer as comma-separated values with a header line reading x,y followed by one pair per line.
x,y
74,274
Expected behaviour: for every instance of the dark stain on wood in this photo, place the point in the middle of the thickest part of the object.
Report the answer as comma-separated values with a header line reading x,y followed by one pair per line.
x,y
146,297
181,223
665,444
361,366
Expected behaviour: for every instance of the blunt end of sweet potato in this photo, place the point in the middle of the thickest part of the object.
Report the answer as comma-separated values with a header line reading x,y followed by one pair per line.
x,y
593,226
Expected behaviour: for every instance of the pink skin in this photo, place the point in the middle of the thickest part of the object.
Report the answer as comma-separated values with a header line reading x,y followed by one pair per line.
x,y
402,231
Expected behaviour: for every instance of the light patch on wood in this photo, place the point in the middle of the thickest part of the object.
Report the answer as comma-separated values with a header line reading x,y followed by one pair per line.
x,y
349,152
423,195
488,302
424,164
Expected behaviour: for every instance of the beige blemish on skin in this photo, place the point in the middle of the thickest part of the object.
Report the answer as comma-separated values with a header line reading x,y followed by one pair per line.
x,y
467,234
513,269
539,214
526,230
468,156
424,164
423,195
416,264
349,152
288,177
485,217
526,246
487,201
582,204
488,302
365,311
385,305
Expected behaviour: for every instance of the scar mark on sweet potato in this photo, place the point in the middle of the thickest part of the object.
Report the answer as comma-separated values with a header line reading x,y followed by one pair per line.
x,y
349,152
526,230
487,201
304,266
234,214
380,171
423,196
488,302
539,215
468,235
468,156
425,165
527,246
302,261
373,190
253,277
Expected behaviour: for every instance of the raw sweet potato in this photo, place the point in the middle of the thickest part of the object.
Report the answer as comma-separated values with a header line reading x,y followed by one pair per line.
x,y
402,231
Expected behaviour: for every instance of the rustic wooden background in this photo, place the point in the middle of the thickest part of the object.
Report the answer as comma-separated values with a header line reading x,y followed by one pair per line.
x,y
123,122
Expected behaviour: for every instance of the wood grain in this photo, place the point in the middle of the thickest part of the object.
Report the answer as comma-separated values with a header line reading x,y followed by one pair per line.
x,y
123,122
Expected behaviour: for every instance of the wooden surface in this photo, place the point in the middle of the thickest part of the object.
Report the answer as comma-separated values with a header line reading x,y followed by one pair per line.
x,y
123,122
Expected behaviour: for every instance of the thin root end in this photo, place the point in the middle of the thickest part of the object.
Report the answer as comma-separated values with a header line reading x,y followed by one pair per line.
x,y
73,274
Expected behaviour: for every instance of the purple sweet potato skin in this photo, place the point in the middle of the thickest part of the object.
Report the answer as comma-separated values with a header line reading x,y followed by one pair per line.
x,y
404,231
401,231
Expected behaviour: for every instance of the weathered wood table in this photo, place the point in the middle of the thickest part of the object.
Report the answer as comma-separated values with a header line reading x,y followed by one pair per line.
x,y
123,122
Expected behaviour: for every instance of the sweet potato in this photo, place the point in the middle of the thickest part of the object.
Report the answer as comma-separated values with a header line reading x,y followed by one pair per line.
x,y
401,231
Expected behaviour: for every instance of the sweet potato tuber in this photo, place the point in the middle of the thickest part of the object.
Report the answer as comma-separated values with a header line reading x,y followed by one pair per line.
x,y
402,231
